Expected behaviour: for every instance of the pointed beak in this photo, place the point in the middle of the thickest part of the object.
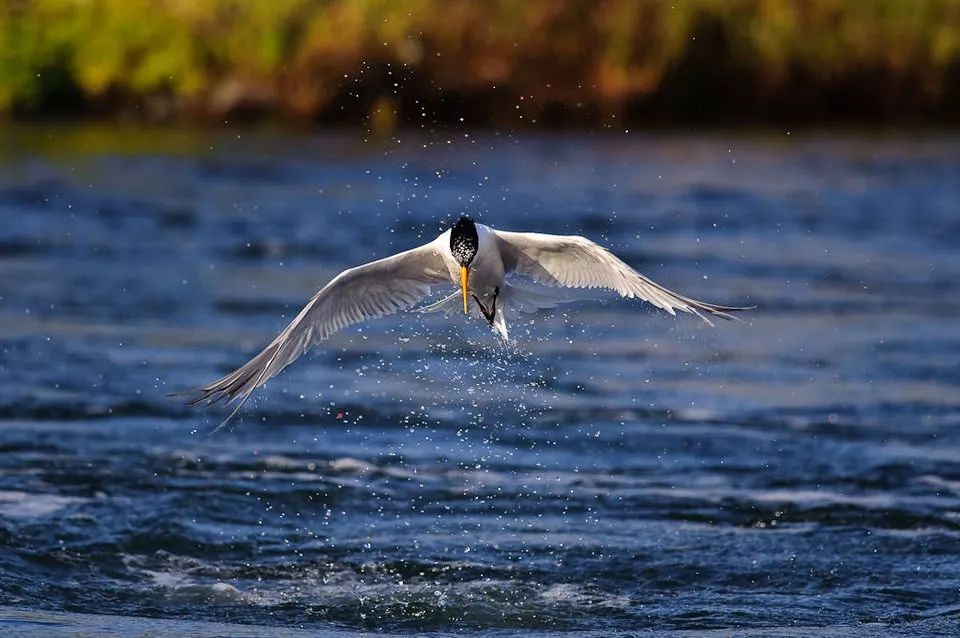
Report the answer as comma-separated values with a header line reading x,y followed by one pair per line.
x,y
464,282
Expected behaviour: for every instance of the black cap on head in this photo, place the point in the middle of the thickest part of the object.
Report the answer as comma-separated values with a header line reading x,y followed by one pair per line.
x,y
464,241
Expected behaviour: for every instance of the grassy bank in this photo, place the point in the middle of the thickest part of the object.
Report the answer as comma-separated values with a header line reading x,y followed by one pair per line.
x,y
498,62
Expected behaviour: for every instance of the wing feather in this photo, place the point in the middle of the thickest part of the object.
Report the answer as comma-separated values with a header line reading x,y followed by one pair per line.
x,y
577,262
370,291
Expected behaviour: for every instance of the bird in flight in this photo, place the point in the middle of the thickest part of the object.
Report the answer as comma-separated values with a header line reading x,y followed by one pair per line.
x,y
475,257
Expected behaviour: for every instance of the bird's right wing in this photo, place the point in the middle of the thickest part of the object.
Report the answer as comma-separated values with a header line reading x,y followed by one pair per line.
x,y
373,290
577,262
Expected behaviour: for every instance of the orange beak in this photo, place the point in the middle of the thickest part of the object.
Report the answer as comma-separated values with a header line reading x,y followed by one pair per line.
x,y
464,282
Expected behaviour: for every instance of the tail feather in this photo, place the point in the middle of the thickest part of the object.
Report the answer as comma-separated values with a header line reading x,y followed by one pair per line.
x,y
449,305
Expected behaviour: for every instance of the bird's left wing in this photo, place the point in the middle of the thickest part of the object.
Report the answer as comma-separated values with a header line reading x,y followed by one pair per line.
x,y
577,262
373,290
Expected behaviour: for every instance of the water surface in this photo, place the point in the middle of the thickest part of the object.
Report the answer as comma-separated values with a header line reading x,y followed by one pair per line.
x,y
616,469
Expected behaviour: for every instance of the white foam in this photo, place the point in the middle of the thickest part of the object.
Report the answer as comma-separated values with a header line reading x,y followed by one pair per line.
x,y
29,505
349,464
568,593
213,593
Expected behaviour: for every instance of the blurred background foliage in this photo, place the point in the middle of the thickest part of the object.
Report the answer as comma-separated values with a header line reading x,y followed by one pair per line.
x,y
493,63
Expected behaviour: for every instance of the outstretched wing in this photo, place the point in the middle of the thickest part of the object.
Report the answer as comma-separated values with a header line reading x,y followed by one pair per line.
x,y
577,262
373,290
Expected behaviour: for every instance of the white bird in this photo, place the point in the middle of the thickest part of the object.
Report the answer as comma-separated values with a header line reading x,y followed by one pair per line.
x,y
475,257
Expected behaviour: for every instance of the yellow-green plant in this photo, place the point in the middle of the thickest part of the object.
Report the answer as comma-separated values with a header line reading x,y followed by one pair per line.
x,y
293,57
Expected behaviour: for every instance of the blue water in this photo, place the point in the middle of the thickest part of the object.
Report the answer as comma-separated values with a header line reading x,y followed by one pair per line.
x,y
615,470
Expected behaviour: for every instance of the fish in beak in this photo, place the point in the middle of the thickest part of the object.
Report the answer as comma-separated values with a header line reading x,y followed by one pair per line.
x,y
464,282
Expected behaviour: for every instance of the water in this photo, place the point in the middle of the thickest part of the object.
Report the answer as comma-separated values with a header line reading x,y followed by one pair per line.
x,y
615,470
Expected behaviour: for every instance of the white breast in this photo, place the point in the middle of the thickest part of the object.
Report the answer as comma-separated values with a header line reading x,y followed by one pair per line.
x,y
486,271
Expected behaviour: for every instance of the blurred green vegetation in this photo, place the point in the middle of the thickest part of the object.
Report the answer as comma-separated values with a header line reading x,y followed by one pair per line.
x,y
493,62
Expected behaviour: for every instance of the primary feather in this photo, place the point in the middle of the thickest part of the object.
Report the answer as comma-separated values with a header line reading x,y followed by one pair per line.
x,y
373,290
577,262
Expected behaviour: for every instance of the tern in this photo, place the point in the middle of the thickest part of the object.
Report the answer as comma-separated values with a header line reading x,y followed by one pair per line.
x,y
483,262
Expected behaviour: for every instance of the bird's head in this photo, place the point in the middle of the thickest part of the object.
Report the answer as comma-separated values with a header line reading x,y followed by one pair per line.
x,y
464,243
